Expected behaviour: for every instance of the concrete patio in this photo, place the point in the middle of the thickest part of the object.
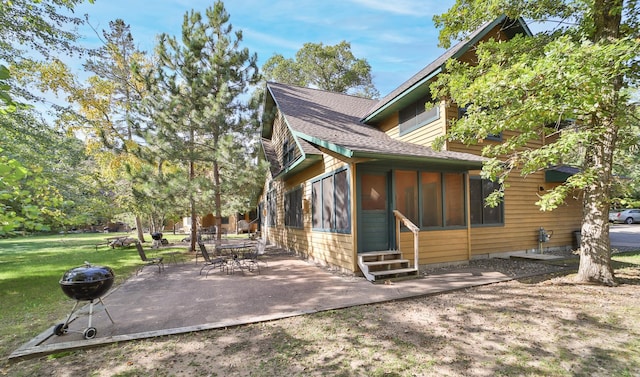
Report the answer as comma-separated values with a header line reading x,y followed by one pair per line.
x,y
180,300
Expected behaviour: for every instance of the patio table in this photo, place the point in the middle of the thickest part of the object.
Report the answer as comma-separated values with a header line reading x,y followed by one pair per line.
x,y
234,254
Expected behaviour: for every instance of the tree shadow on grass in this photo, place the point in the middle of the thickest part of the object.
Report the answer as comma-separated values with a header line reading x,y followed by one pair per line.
x,y
625,272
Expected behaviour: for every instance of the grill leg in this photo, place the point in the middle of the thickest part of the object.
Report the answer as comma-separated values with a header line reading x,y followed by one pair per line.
x,y
90,312
71,314
106,311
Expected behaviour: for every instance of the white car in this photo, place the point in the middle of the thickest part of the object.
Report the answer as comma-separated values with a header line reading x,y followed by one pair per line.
x,y
627,216
613,216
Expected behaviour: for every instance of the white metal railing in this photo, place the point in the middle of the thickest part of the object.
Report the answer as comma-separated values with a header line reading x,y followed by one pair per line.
x,y
400,218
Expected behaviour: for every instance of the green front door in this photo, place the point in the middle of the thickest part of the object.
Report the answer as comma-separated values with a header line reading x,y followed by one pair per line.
x,y
374,225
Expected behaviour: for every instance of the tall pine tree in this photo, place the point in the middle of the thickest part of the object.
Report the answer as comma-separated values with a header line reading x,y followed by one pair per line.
x,y
196,101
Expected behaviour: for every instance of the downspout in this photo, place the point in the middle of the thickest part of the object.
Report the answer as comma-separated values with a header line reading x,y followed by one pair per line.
x,y
468,213
354,217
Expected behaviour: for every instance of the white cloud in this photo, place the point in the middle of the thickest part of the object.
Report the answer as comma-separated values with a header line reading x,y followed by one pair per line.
x,y
395,36
417,8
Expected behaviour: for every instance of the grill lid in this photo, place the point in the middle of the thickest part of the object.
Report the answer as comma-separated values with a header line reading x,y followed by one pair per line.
x,y
87,282
86,274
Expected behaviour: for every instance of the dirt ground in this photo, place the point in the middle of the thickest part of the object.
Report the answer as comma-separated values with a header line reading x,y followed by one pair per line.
x,y
542,326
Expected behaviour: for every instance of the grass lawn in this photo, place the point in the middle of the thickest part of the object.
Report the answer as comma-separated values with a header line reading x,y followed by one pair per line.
x,y
532,327
31,267
632,257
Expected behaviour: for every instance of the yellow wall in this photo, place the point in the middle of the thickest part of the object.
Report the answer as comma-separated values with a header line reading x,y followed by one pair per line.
x,y
335,249
522,218
424,135
437,246
280,134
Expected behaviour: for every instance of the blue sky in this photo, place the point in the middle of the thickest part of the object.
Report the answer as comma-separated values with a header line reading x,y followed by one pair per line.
x,y
396,37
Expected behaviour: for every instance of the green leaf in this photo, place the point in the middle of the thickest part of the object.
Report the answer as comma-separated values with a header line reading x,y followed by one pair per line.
x,y
4,72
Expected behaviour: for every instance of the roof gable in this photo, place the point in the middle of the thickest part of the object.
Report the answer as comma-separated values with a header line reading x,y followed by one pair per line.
x,y
418,84
332,121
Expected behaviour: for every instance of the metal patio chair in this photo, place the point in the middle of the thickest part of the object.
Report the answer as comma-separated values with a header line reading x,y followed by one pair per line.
x,y
209,262
157,261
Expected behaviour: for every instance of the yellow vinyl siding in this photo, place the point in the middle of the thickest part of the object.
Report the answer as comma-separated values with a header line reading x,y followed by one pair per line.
x,y
424,135
522,217
335,249
438,246
523,220
456,146
280,134
390,125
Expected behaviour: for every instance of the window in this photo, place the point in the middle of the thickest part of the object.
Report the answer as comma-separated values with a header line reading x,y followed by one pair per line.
x,y
374,193
293,208
288,152
431,199
454,199
480,213
271,208
224,220
341,184
316,204
330,202
407,194
416,115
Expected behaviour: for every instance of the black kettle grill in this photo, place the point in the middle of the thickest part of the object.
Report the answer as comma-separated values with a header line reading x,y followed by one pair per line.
x,y
85,283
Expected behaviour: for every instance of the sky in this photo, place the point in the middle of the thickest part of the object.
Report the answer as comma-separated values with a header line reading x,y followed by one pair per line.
x,y
396,37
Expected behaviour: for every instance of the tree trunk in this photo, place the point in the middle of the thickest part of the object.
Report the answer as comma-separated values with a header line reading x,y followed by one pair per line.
x,y
192,204
595,245
194,225
139,229
217,198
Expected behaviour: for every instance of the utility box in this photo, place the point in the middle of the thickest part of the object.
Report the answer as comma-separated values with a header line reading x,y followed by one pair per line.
x,y
543,235
577,238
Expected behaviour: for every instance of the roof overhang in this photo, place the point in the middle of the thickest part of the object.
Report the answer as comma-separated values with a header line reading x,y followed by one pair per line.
x,y
511,31
349,153
407,97
458,164
421,87
560,173
325,144
268,113
298,165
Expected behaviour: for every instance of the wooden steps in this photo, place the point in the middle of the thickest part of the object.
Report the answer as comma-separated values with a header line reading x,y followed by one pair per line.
x,y
379,266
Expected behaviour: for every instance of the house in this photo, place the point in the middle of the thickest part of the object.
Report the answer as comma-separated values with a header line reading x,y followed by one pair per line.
x,y
234,224
354,182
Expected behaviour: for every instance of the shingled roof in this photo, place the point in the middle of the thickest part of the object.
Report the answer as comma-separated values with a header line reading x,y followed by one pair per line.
x,y
422,78
332,120
346,124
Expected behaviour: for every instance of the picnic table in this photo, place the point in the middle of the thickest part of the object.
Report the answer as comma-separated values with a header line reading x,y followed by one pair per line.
x,y
120,241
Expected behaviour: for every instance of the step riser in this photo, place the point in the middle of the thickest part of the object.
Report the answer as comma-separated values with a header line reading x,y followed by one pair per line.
x,y
381,258
388,267
378,266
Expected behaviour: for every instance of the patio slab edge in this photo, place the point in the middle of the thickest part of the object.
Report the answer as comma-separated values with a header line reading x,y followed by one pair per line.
x,y
33,349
